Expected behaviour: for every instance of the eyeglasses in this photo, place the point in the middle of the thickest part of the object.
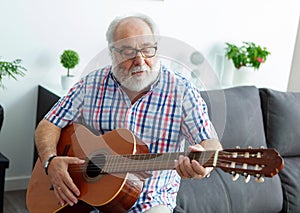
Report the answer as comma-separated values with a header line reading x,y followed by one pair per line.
x,y
130,53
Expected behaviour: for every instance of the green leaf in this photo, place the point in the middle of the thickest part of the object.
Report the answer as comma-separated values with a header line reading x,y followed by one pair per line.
x,y
11,70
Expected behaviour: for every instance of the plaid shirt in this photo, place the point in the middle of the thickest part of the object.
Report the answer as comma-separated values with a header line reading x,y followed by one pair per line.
x,y
171,112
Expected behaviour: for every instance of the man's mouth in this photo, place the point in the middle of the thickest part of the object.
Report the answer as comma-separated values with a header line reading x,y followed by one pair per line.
x,y
137,72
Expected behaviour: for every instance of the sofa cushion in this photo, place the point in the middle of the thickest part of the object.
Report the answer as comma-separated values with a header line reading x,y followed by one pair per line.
x,y
236,115
219,193
282,120
201,196
281,112
253,197
290,184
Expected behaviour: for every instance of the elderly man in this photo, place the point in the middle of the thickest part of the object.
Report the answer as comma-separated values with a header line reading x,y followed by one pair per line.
x,y
136,92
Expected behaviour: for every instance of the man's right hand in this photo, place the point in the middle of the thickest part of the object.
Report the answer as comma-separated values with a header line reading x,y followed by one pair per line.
x,y
64,188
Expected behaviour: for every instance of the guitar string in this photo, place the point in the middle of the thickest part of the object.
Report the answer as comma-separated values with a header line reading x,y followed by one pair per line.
x,y
81,169
154,157
148,157
221,153
142,164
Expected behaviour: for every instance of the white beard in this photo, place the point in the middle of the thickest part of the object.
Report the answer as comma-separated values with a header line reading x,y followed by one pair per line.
x,y
139,82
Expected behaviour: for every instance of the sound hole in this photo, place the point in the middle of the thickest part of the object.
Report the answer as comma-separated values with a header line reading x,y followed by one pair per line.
x,y
95,166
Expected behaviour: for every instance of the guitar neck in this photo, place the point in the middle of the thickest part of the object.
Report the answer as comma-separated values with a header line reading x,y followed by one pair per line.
x,y
151,162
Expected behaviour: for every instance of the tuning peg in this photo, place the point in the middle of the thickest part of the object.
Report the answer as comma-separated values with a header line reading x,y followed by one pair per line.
x,y
260,180
258,155
247,178
235,176
232,165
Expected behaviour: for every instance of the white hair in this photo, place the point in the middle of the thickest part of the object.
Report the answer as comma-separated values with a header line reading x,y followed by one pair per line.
x,y
114,24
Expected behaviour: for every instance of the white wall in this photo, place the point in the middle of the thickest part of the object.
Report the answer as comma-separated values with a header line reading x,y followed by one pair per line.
x,y
294,80
38,32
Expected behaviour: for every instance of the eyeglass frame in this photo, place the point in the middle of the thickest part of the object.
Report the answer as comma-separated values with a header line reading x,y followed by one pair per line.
x,y
137,51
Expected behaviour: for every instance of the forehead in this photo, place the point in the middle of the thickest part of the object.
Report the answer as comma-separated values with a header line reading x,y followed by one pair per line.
x,y
135,42
133,32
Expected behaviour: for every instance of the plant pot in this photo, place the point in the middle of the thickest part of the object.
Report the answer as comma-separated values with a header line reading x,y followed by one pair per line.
x,y
244,76
67,81
228,71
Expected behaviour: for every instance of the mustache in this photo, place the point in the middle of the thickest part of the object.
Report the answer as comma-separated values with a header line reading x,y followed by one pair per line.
x,y
144,68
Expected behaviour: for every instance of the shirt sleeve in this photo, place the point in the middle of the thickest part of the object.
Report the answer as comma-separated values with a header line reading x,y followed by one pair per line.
x,y
196,124
68,108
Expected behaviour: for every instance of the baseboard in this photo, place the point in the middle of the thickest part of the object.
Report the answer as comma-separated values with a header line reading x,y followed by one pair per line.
x,y
16,183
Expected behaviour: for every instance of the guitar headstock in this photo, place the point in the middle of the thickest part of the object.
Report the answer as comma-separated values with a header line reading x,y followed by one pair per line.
x,y
262,162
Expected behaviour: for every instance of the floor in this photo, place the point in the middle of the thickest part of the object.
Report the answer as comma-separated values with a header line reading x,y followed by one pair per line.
x,y
15,202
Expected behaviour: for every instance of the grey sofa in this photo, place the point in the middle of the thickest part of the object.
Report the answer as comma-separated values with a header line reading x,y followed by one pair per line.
x,y
1,116
253,117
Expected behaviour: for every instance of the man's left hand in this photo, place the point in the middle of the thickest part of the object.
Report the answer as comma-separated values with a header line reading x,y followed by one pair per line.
x,y
191,169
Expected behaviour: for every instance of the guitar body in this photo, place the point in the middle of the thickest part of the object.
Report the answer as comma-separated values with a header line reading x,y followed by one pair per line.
x,y
109,193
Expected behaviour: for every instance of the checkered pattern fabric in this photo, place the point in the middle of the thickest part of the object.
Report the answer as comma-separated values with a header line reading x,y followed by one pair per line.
x,y
169,114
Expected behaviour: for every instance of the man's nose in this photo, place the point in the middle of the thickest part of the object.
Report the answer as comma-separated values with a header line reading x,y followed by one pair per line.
x,y
139,59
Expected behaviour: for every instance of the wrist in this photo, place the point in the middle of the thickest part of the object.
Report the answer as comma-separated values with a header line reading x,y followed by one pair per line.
x,y
48,161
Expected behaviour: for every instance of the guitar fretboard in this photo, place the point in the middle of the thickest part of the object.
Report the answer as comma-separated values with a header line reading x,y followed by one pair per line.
x,y
148,162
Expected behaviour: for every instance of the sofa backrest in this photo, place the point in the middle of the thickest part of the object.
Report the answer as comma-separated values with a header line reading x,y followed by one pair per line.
x,y
243,117
281,114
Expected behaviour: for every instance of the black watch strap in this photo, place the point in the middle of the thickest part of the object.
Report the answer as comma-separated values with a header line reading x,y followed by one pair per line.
x,y
47,163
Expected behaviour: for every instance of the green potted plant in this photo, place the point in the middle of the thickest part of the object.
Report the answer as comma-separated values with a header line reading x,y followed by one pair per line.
x,y
245,58
69,59
247,55
11,70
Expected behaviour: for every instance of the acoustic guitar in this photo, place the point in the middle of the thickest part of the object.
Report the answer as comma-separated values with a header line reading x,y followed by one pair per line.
x,y
112,176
